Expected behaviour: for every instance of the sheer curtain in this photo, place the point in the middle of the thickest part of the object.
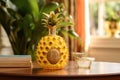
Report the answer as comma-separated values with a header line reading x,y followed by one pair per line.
x,y
71,8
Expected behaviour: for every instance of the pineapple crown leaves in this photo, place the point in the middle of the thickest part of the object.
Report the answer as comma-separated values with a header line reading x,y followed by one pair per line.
x,y
58,18
51,19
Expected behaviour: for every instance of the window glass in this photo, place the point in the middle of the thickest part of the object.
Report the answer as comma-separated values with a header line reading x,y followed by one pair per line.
x,y
100,12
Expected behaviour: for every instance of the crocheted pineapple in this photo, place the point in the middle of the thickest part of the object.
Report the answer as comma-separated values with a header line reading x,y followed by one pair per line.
x,y
52,51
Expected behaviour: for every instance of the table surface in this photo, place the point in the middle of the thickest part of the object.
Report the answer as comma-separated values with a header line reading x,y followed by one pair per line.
x,y
98,69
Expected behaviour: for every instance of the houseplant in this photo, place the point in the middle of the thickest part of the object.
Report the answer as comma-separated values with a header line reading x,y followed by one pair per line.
x,y
22,23
112,19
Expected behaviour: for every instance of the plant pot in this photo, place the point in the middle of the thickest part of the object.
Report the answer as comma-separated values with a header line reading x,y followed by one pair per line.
x,y
112,28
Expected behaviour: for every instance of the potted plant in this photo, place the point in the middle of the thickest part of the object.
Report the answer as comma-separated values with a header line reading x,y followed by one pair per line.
x,y
21,20
112,19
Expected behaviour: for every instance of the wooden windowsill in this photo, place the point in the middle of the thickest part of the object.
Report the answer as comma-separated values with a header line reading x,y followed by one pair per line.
x,y
104,42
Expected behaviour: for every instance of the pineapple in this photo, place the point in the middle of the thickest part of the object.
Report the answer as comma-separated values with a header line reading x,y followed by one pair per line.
x,y
52,51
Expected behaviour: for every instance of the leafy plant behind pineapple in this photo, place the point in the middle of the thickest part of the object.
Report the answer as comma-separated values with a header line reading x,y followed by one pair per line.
x,y
22,21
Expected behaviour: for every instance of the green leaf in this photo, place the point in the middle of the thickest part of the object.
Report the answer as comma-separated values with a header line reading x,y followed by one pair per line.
x,y
13,14
27,25
47,9
72,34
41,3
64,24
50,7
46,15
27,6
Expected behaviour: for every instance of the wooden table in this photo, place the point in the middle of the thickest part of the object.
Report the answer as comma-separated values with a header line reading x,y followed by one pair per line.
x,y
98,71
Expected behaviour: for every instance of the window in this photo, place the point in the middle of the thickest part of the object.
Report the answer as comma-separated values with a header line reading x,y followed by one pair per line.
x,y
104,19
101,11
96,13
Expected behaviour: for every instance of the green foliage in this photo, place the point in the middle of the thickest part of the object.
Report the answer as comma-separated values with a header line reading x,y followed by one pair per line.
x,y
22,21
55,19
112,11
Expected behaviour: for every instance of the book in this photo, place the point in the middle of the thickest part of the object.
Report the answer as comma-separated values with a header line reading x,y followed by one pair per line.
x,y
15,61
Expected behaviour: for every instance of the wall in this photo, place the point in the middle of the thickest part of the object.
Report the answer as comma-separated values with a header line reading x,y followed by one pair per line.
x,y
105,49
